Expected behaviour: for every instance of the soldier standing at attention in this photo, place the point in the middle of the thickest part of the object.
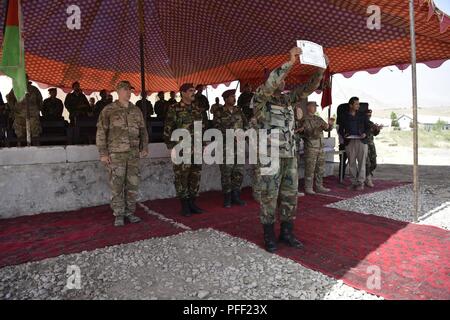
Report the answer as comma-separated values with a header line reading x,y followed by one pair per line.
x,y
121,140
232,175
244,101
19,113
182,115
76,103
274,110
312,127
371,161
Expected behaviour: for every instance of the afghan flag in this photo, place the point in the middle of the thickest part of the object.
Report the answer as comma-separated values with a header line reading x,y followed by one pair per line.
x,y
13,55
326,89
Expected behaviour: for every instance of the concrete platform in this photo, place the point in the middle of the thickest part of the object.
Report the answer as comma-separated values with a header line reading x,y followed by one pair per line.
x,y
55,179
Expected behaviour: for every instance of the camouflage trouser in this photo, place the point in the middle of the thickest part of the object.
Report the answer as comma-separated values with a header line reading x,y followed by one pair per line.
x,y
231,176
124,181
278,190
20,127
187,179
314,166
371,161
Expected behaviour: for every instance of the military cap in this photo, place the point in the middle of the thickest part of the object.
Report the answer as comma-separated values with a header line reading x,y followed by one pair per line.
x,y
124,84
228,93
186,86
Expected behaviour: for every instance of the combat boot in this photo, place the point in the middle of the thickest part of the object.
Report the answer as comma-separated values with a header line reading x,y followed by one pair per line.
x,y
309,186
119,221
133,219
227,200
369,182
287,236
270,242
193,207
322,189
236,198
185,210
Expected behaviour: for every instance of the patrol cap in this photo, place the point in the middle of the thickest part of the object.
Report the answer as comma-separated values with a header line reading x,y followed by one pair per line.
x,y
186,86
124,84
312,103
228,93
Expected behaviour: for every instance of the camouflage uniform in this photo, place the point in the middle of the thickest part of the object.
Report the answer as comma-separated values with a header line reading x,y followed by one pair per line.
x,y
187,176
19,112
121,134
313,145
231,174
273,112
371,161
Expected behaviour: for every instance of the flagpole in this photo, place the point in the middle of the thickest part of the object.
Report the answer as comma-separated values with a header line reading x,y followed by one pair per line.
x,y
415,124
329,107
27,118
142,57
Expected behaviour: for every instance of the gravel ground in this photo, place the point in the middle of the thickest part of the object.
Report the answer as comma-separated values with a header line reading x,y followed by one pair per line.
x,y
397,204
204,264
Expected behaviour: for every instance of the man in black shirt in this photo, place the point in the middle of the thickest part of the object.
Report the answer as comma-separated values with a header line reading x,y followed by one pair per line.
x,y
354,128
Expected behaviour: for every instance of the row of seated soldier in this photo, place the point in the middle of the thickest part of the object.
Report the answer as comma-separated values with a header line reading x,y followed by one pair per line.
x,y
83,113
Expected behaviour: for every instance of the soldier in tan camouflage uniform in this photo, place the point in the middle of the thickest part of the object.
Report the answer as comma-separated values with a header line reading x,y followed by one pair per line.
x,y
274,110
312,127
371,160
19,113
231,117
121,140
182,115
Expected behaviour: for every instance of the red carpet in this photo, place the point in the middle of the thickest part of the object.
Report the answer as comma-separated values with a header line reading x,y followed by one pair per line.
x,y
414,260
49,235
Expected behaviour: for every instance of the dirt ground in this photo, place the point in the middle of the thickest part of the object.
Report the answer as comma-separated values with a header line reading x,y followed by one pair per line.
x,y
435,175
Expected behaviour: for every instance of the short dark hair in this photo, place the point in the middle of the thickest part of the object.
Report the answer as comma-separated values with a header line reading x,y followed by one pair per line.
x,y
352,100
73,84
161,92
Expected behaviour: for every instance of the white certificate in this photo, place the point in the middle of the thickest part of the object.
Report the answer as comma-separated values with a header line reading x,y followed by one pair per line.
x,y
312,54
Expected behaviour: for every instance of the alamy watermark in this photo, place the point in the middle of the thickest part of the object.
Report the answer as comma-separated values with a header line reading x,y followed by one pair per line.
x,y
263,147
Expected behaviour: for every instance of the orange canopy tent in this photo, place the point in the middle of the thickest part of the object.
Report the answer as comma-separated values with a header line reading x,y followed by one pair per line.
x,y
217,41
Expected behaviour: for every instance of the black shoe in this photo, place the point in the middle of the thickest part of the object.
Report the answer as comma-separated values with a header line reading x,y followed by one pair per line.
x,y
185,210
270,242
193,207
236,198
288,237
227,200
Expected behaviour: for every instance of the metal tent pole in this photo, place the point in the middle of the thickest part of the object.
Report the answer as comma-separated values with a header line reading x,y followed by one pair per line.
x,y
415,122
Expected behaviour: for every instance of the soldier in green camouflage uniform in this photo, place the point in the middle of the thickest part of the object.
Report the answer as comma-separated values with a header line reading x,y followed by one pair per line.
x,y
182,115
371,161
231,117
122,139
312,127
19,113
274,110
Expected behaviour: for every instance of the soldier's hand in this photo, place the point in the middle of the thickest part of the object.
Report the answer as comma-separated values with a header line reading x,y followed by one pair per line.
x,y
294,53
363,136
143,154
301,129
105,160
